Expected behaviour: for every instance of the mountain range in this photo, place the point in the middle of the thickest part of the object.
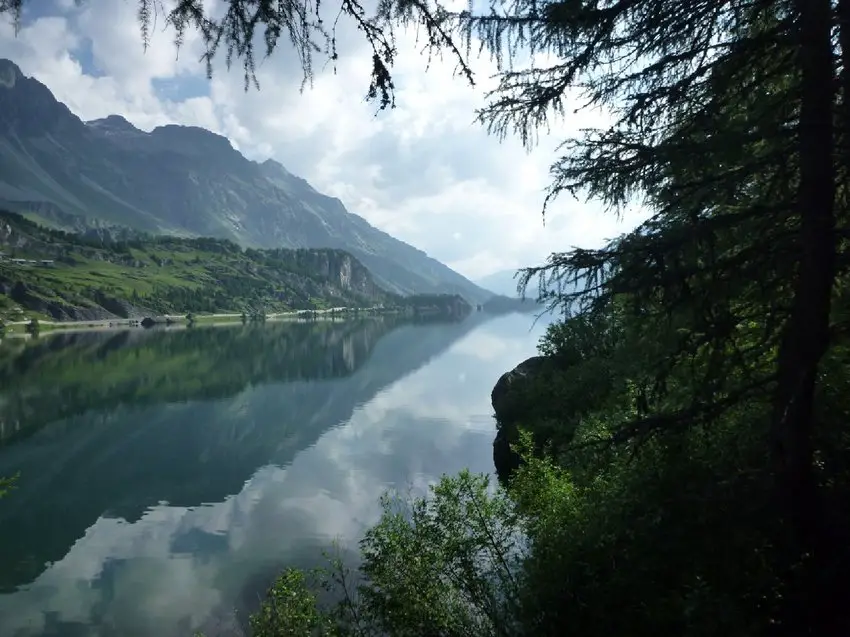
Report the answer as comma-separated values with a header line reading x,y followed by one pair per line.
x,y
185,181
503,282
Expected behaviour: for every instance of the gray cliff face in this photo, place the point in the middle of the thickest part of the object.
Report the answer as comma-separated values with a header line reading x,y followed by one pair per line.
x,y
9,74
341,271
186,181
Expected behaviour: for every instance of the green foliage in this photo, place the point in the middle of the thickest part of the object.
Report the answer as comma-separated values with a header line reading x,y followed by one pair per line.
x,y
7,484
443,565
290,610
447,564
667,536
564,546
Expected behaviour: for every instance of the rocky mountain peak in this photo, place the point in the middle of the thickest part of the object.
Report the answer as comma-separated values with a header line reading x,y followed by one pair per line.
x,y
193,135
272,165
115,123
29,108
9,74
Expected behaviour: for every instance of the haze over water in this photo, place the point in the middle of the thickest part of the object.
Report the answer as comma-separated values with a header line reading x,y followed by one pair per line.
x,y
166,477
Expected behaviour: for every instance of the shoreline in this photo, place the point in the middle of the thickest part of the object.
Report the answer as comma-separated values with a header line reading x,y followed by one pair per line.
x,y
17,329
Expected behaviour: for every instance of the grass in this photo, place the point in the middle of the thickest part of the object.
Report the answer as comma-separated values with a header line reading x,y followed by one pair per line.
x,y
112,277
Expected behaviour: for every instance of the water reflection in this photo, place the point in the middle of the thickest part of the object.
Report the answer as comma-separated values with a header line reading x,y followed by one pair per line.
x,y
161,515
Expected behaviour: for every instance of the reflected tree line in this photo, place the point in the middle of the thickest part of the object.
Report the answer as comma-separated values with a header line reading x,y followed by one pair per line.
x,y
68,374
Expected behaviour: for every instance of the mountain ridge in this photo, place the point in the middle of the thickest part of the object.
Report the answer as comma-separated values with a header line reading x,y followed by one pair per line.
x,y
501,283
186,181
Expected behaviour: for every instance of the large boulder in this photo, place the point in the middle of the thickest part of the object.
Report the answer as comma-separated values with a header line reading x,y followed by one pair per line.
x,y
515,403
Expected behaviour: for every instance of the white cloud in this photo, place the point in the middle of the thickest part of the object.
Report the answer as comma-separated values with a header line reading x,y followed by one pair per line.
x,y
423,172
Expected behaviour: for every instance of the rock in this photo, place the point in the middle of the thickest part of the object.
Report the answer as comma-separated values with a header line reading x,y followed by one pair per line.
x,y
62,305
38,300
119,307
61,311
512,403
80,313
506,387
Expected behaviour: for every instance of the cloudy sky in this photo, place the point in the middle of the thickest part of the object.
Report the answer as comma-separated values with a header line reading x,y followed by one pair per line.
x,y
424,172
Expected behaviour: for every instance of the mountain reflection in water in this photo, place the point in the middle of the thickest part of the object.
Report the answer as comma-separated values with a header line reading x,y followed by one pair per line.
x,y
167,476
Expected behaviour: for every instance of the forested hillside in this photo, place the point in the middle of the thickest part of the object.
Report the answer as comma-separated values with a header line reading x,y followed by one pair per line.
x,y
103,274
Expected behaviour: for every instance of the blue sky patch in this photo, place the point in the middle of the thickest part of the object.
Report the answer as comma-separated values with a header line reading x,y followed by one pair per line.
x,y
180,88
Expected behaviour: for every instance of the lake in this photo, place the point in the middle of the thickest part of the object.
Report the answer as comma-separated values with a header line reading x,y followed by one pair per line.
x,y
167,476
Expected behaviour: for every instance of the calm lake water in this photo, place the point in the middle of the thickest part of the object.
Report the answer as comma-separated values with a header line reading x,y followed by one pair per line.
x,y
166,476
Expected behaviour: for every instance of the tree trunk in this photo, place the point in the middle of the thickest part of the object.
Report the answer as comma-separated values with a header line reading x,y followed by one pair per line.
x,y
844,83
807,607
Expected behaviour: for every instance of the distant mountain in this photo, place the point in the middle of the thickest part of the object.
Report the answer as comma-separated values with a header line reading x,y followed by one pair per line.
x,y
508,305
502,283
184,181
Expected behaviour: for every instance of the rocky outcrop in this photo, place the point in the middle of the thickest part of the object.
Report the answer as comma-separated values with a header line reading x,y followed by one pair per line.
x,y
338,269
33,298
119,307
63,307
548,397
512,401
